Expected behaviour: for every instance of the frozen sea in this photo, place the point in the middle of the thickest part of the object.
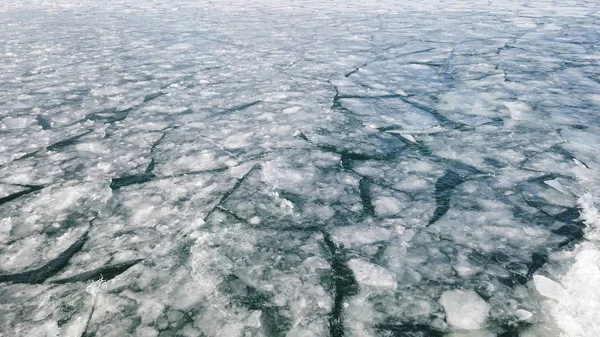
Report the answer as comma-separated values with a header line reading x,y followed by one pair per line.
x,y
300,168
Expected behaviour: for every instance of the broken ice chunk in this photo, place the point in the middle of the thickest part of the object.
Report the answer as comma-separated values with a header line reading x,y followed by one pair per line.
x,y
387,206
523,315
518,110
408,137
546,287
464,309
481,333
352,236
368,274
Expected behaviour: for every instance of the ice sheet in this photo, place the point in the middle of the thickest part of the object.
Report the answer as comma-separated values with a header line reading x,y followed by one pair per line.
x,y
299,168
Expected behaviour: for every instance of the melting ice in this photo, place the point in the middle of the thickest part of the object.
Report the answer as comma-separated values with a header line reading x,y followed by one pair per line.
x,y
299,168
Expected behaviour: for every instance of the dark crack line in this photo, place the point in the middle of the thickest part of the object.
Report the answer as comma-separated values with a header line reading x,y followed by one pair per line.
x,y
66,142
538,259
117,183
344,285
157,142
451,164
44,122
573,228
39,275
31,189
557,149
234,109
233,214
25,156
87,323
191,173
237,184
279,229
108,116
441,118
152,96
364,187
444,188
105,273
446,69
344,154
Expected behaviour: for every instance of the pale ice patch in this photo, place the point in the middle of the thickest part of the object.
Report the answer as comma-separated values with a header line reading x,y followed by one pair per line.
x,y
368,274
360,316
146,331
15,122
518,110
464,309
412,184
547,287
408,137
274,177
361,235
46,329
150,310
205,160
64,198
292,110
93,147
480,333
277,175
107,91
387,206
286,206
180,46
238,141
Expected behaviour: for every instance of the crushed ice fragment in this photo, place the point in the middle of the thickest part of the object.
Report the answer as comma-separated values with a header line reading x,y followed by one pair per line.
x,y
518,110
387,206
464,309
479,333
523,315
408,137
548,288
368,274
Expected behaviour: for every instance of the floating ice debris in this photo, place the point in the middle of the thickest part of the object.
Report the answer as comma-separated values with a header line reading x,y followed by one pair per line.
x,y
481,333
408,137
464,309
548,288
518,110
421,131
523,315
370,275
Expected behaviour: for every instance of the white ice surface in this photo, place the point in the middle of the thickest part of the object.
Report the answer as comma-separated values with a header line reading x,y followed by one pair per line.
x,y
464,309
575,302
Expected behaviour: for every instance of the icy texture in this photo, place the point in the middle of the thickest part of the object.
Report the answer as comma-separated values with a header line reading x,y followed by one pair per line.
x,y
299,168
574,303
548,288
464,309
